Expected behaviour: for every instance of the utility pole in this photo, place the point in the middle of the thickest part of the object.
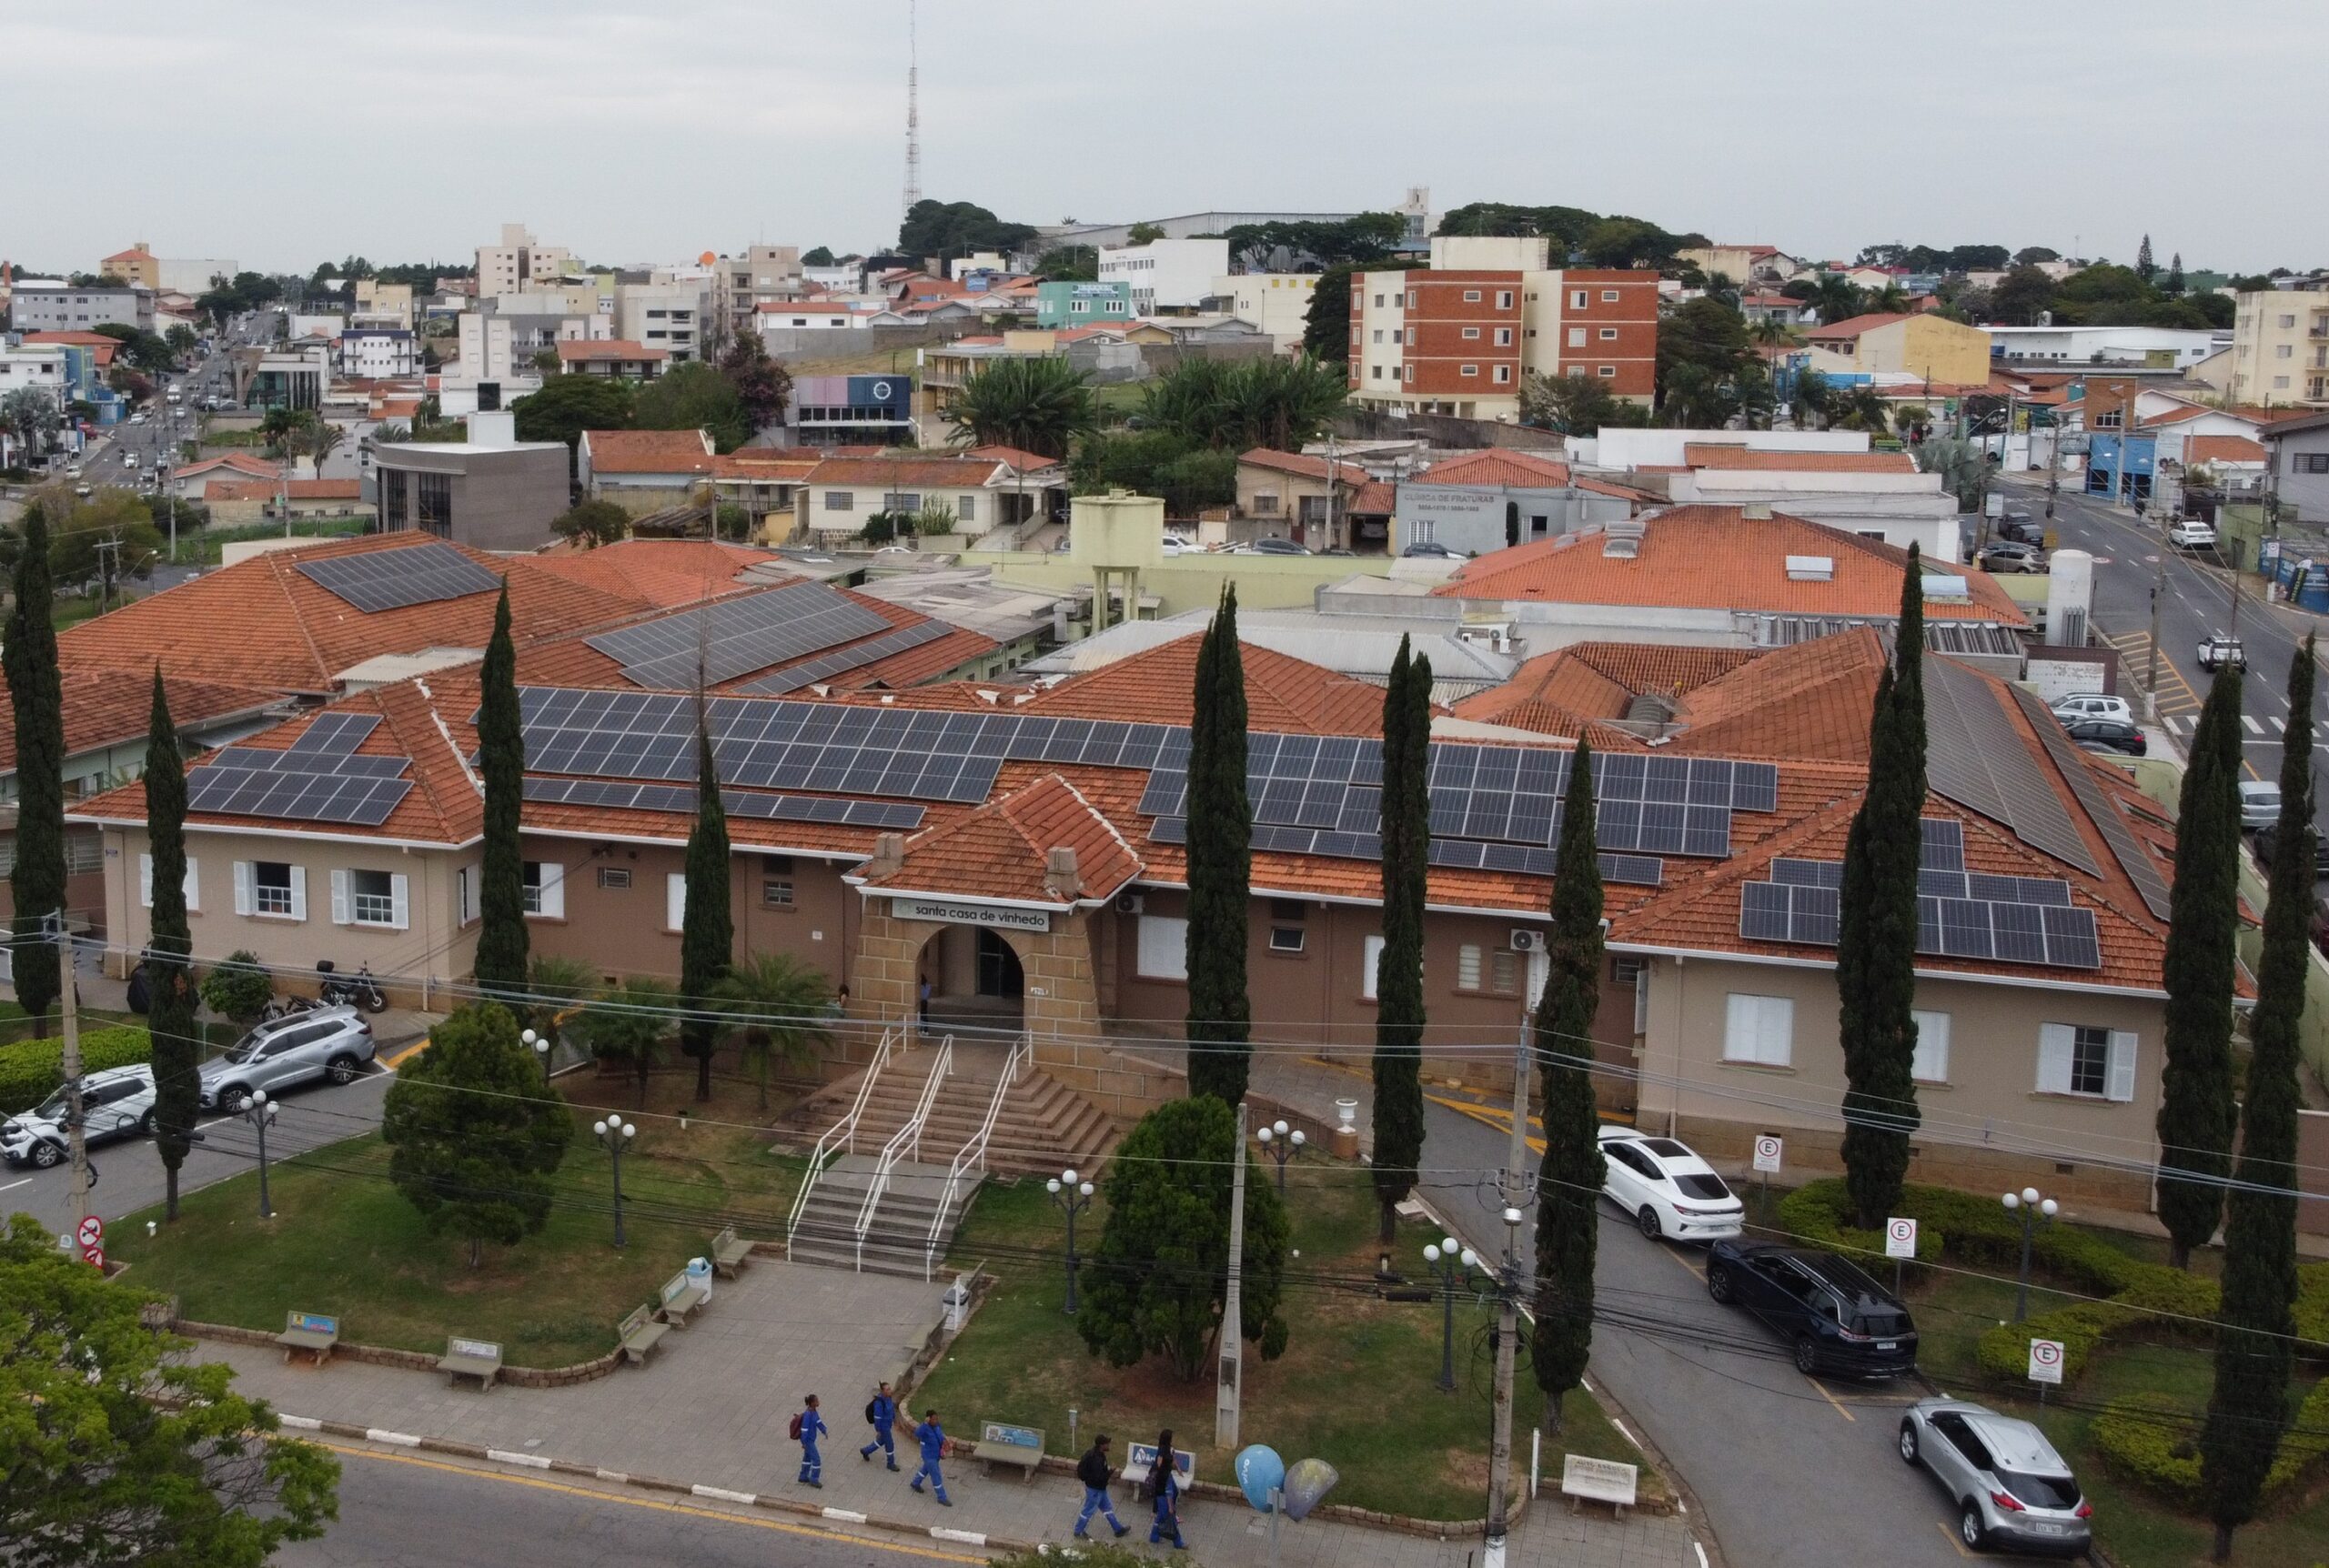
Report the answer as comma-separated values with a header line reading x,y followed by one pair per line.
x,y
1507,1320
2151,680
76,1135
1233,1322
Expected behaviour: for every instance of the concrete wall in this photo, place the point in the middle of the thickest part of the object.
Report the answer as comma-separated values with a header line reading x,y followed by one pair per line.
x,y
1194,581
502,499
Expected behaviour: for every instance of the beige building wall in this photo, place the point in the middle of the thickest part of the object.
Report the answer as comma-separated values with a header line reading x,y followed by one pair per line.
x,y
2279,348
1928,347
1278,303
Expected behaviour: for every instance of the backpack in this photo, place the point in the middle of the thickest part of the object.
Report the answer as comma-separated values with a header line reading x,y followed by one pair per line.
x,y
793,1432
871,1419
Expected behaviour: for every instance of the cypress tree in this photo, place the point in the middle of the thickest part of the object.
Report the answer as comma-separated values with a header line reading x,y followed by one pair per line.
x,y
2248,1408
29,659
501,938
708,927
1568,1179
1876,935
1220,855
2196,1109
1399,972
169,978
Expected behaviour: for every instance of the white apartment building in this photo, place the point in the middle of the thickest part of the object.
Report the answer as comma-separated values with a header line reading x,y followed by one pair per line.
x,y
513,264
1165,274
382,303
666,316
2280,349
763,273
487,350
1278,303
33,365
44,306
379,353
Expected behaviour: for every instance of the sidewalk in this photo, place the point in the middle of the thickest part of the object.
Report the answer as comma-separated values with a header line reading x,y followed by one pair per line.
x,y
710,1411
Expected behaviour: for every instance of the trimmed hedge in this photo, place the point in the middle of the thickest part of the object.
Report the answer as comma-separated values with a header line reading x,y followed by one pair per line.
x,y
2151,1440
29,1068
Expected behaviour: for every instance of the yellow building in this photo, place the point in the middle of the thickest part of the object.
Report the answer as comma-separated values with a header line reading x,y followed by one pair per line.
x,y
2280,349
136,266
1932,347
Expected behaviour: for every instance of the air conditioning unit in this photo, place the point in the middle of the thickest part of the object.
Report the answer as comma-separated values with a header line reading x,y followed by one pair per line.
x,y
1128,903
1525,940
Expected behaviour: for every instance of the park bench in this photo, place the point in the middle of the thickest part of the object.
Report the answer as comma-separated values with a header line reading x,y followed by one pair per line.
x,y
479,1359
1000,1442
681,1298
1141,1458
639,1333
1598,1481
315,1333
730,1254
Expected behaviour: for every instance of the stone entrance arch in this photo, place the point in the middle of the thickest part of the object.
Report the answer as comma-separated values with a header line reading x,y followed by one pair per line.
x,y
1059,1002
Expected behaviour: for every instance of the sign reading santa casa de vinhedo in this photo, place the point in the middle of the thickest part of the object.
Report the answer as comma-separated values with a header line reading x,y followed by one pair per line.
x,y
951,911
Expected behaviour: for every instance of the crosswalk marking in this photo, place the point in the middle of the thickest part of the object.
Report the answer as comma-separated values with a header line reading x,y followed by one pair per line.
x,y
2250,720
2185,723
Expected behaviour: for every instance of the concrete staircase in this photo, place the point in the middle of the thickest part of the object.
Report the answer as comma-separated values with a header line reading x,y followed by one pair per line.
x,y
1043,1127
895,1243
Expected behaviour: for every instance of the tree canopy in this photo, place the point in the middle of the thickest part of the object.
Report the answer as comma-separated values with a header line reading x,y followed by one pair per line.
x,y
1163,463
1326,324
568,405
1037,405
1291,246
690,396
1260,402
937,228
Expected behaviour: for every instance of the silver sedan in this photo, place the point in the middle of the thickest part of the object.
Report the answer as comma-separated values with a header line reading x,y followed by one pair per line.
x,y
2012,1491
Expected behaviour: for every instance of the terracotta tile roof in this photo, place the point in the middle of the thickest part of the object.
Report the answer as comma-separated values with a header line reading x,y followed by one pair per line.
x,y
232,463
1025,461
919,473
1377,496
1660,668
1514,470
1853,326
768,465
1283,694
1716,455
1000,850
109,707
74,339
297,490
135,252
394,408
572,351
662,574
648,451
1560,679
1302,464
2223,450
1812,701
1717,558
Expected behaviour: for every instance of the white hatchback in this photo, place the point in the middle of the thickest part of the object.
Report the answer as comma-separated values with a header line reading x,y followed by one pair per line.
x,y
2093,705
1666,1188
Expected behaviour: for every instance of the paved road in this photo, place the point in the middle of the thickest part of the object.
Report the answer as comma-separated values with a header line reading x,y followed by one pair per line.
x,y
400,1510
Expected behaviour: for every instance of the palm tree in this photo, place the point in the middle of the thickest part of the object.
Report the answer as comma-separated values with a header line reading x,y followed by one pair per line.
x,y
1890,299
1835,298
1037,404
324,438
555,987
30,414
627,1024
1769,331
779,1001
1811,401
1860,408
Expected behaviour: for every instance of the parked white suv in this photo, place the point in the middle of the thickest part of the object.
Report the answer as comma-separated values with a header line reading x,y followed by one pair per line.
x,y
2191,534
116,1103
2093,705
328,1042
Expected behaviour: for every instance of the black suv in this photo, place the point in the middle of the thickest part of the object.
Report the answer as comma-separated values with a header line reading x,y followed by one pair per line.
x,y
1838,1318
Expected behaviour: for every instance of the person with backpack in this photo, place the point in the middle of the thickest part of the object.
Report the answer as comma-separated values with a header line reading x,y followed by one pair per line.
x,y
933,1439
1093,1472
881,1415
807,1427
1165,1482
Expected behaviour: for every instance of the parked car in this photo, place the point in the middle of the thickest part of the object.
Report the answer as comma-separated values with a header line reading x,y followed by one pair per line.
x,y
1428,549
1174,545
2010,556
116,1103
2268,838
1269,546
2260,803
2011,1489
332,1042
2021,528
1666,1188
1837,1318
2108,735
2191,534
2223,652
2092,705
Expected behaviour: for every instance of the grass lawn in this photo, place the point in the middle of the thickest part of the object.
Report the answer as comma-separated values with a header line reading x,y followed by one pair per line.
x,y
345,1241
1356,1385
72,610
205,546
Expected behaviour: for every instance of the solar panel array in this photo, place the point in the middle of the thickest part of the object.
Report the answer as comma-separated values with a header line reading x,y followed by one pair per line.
x,y
826,666
391,580
1973,757
318,780
2132,856
733,637
596,793
1635,871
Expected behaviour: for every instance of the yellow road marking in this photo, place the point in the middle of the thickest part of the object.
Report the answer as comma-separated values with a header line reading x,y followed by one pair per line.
x,y
648,1503
1950,1536
1500,1120
409,1052
1848,1415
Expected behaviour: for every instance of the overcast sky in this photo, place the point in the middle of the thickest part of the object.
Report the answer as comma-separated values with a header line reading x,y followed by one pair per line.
x,y
280,133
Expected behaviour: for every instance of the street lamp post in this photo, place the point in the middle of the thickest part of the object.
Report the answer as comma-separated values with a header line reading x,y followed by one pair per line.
x,y
540,1047
1281,1145
615,1135
260,1113
1449,1261
1073,1196
2032,1209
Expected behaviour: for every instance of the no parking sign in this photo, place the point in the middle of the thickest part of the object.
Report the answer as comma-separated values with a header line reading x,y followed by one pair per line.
x,y
2046,1361
1767,1152
1900,1238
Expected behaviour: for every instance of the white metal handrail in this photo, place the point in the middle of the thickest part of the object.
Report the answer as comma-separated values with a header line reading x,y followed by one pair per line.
x,y
841,1134
905,1137
972,1154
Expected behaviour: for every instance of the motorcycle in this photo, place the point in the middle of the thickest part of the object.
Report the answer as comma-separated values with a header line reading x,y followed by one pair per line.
x,y
359,990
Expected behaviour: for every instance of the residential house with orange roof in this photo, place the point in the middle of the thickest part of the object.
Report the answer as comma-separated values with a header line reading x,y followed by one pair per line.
x,y
1920,344
1299,496
242,502
840,494
1873,494
1486,500
644,472
615,356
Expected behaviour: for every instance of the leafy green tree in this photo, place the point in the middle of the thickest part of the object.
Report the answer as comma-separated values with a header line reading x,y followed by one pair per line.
x,y
779,1002
501,937
30,414
1157,1283
2174,283
942,229
629,1024
474,1135
2021,295
2031,254
2197,1115
1399,1015
692,396
1566,225
119,1448
1267,402
238,986
1695,399
1568,1179
1069,264
568,405
1702,349
1280,246
818,255
145,349
1836,298
762,385
1963,467
1876,941
556,985
37,880
2248,1410
707,927
1037,405
1160,463
1220,865
1809,399
181,339
169,944
1325,325
591,524
1574,404
98,540
1143,234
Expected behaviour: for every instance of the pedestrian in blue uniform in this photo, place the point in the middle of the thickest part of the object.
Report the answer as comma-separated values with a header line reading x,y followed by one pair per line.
x,y
882,1414
933,1439
1094,1470
1165,1482
808,1426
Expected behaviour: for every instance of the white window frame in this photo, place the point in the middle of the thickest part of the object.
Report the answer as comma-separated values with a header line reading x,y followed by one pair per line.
x,y
545,897
675,900
1758,1030
966,509
1503,337
469,888
1371,962
391,911
1471,297
1930,1064
1610,297
247,892
192,883
2057,1056
1470,333
1468,370
1607,372
1608,335
1503,299
1160,948
1471,965
1577,337
1503,375
1579,298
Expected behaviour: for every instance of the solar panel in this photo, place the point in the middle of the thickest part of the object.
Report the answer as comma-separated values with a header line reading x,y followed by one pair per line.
x,y
2132,856
1942,845
826,666
335,734
2008,932
1809,873
306,787
735,635
1974,757
736,803
387,579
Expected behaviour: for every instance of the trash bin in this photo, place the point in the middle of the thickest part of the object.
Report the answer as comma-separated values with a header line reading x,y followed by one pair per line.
x,y
700,1276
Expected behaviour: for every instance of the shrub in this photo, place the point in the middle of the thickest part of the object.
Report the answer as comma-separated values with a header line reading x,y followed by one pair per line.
x,y
29,1070
239,988
2151,1441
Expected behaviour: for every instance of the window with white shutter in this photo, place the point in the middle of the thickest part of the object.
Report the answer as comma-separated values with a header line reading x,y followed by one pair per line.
x,y
245,888
468,891
675,900
1373,962
1759,1030
342,904
1163,948
1467,966
2120,1084
2087,1061
193,885
1930,1064
545,889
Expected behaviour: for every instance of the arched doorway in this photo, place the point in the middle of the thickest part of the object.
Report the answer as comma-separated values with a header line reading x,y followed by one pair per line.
x,y
978,982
